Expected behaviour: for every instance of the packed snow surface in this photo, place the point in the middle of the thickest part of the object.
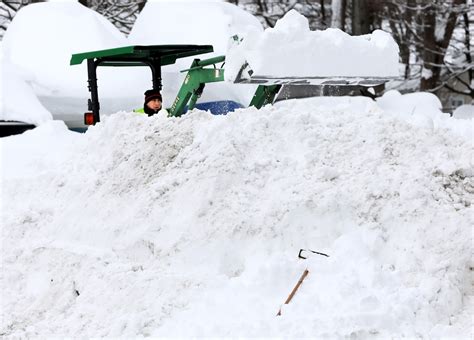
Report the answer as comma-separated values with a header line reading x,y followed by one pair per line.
x,y
291,49
191,227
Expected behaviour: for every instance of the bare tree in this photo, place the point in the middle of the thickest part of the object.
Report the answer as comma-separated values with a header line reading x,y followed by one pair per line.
x,y
121,13
439,21
401,18
8,9
435,42
269,11
458,76
365,16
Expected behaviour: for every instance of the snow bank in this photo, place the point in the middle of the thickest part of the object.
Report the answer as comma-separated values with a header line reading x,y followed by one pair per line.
x,y
41,38
36,152
149,224
202,23
17,100
292,49
423,109
464,112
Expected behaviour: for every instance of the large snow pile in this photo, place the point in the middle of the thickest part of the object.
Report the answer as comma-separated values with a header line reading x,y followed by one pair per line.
x,y
191,226
42,37
291,49
202,23
17,98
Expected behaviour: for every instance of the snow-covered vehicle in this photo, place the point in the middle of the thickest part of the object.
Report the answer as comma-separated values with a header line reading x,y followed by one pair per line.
x,y
8,128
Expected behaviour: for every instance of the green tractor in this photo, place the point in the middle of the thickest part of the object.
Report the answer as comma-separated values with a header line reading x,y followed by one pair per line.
x,y
198,75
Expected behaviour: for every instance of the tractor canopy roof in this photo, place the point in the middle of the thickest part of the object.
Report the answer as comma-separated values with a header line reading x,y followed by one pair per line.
x,y
141,55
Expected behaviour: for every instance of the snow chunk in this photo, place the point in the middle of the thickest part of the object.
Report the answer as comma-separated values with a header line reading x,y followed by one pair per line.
x,y
426,73
464,112
292,49
420,103
293,23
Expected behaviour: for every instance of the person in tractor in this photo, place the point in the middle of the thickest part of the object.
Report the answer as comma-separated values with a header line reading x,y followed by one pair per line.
x,y
153,103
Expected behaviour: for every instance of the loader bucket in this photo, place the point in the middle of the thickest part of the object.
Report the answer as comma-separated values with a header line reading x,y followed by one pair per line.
x,y
247,76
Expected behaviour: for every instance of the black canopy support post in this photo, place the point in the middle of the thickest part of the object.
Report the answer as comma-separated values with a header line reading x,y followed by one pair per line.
x,y
155,66
94,105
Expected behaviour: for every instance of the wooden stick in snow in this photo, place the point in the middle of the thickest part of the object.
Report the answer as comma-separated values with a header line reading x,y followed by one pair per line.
x,y
293,292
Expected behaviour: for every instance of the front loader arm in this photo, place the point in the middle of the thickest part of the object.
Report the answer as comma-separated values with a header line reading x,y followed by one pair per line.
x,y
194,83
198,76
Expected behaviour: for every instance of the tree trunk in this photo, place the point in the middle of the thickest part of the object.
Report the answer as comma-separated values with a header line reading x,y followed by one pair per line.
x,y
338,14
435,45
360,17
428,77
467,38
323,12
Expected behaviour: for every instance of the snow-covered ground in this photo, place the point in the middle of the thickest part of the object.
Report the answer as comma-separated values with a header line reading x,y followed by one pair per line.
x,y
144,225
191,226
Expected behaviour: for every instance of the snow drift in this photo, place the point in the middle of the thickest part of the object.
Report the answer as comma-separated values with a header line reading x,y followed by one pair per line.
x,y
143,225
42,37
17,99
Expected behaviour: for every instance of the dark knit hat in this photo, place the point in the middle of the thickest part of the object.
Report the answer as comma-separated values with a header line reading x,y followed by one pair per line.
x,y
152,94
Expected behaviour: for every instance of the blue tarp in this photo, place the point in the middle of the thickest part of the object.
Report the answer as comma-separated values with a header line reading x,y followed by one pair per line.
x,y
219,107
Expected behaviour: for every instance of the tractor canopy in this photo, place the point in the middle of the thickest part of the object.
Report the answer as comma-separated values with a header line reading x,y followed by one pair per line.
x,y
141,55
153,56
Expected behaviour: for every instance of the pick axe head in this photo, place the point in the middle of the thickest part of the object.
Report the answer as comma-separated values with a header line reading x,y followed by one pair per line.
x,y
304,253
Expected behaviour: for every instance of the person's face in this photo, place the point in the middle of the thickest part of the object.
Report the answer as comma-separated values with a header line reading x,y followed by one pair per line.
x,y
154,104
